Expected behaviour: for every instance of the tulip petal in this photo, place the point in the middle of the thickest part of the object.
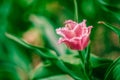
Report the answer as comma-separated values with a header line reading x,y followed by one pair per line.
x,y
74,35
65,33
83,23
89,29
85,41
70,24
72,45
78,30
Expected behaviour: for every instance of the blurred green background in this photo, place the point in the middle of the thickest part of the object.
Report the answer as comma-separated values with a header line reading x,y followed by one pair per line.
x,y
35,22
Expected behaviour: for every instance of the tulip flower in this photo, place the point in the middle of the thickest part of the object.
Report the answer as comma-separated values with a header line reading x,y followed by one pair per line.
x,y
75,35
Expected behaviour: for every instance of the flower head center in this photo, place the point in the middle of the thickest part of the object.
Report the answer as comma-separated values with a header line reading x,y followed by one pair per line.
x,y
69,26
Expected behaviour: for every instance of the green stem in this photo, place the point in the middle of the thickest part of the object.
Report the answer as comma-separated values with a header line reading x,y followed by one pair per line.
x,y
86,76
63,67
82,57
87,63
87,56
76,10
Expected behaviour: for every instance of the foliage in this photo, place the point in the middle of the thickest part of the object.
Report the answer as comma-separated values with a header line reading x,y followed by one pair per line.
x,y
28,42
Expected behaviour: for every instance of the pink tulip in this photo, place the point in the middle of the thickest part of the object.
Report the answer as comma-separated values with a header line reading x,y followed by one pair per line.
x,y
75,35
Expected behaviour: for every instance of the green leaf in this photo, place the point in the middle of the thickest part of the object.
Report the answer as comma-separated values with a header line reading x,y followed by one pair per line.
x,y
43,52
44,71
88,68
58,77
5,6
96,61
17,56
61,67
110,3
113,28
113,72
66,65
64,68
71,59
74,64
99,66
10,71
49,54
112,7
